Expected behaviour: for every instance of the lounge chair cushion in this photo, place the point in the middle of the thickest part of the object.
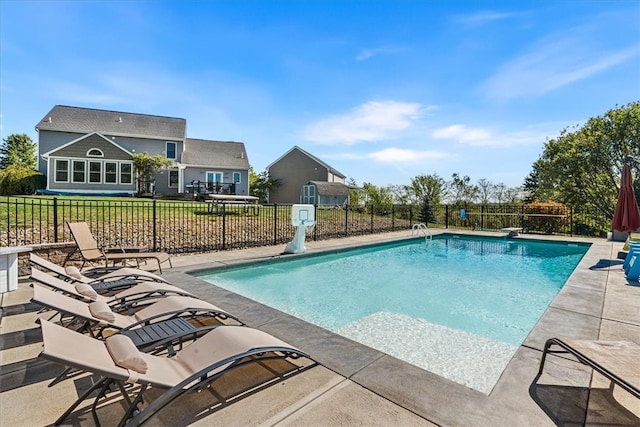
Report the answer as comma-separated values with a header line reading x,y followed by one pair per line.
x,y
73,271
100,310
87,291
125,354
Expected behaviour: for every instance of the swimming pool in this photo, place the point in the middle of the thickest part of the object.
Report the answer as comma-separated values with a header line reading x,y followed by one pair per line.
x,y
457,306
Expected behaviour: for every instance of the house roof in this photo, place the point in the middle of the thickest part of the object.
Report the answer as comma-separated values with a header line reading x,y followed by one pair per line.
x,y
317,160
63,118
331,188
222,154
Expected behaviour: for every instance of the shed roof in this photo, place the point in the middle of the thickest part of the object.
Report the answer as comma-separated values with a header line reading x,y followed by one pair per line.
x,y
222,154
311,156
331,188
64,118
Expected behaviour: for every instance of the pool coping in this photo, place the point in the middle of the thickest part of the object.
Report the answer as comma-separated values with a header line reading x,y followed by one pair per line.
x,y
576,312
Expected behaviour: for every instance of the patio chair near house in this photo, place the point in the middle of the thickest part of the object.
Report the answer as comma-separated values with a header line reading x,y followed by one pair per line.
x,y
90,251
73,274
615,360
116,297
117,361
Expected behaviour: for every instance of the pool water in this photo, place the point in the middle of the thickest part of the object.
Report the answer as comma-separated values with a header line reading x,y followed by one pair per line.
x,y
457,306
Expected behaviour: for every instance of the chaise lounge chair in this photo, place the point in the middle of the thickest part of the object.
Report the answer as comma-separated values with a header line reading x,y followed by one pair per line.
x,y
90,251
97,317
117,361
616,360
116,297
73,274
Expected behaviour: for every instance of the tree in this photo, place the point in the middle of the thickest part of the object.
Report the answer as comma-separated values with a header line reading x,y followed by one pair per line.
x,y
486,190
19,150
377,195
461,190
583,165
260,183
426,187
146,166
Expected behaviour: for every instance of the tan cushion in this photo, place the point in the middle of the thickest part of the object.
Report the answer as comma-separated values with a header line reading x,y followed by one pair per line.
x,y
125,354
73,272
100,310
86,290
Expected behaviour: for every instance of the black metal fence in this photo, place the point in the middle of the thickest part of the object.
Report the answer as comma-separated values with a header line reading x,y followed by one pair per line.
x,y
190,226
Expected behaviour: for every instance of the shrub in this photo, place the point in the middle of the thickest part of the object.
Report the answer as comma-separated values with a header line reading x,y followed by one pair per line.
x,y
546,217
16,179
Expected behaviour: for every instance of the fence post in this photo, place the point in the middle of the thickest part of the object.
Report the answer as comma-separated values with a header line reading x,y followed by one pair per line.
x,y
224,227
275,223
346,221
372,211
482,218
55,219
446,216
155,227
315,229
571,220
393,217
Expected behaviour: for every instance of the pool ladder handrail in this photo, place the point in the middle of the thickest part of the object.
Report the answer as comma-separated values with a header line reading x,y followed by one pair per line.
x,y
421,228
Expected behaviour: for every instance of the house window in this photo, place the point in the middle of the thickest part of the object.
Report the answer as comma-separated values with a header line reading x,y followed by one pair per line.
x,y
110,173
309,194
62,170
236,177
79,169
171,150
95,172
125,173
173,178
95,152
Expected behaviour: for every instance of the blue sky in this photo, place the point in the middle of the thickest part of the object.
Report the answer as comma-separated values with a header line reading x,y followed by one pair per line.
x,y
383,91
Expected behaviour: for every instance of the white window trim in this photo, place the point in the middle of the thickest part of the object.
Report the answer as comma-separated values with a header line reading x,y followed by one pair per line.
x,y
73,171
120,173
175,151
101,179
169,185
55,170
95,155
117,174
233,175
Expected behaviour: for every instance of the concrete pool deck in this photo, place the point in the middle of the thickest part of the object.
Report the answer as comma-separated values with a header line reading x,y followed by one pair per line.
x,y
354,384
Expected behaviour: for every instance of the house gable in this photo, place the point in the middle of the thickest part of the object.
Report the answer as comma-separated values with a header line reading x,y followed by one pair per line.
x,y
79,148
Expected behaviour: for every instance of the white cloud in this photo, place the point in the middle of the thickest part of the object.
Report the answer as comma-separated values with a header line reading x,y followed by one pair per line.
x,y
372,121
553,63
385,50
403,155
479,137
483,17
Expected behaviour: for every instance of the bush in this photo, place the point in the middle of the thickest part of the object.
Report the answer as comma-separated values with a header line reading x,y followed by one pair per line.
x,y
546,217
20,180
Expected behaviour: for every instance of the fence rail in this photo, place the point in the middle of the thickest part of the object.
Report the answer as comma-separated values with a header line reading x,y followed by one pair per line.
x,y
190,226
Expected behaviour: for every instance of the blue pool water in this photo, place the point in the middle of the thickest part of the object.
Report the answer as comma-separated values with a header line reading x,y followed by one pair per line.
x,y
447,298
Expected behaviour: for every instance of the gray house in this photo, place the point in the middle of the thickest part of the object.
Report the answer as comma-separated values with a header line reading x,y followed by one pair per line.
x,y
295,169
88,151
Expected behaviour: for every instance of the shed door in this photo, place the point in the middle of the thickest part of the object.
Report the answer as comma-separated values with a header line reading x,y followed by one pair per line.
x,y
309,194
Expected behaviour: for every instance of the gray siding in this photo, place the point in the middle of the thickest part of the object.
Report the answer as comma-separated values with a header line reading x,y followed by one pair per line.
x,y
80,149
294,170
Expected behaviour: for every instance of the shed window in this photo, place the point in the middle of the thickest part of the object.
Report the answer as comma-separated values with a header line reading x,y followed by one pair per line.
x,y
236,177
95,152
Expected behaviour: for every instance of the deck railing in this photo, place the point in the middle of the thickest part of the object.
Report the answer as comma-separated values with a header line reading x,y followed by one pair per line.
x,y
190,226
